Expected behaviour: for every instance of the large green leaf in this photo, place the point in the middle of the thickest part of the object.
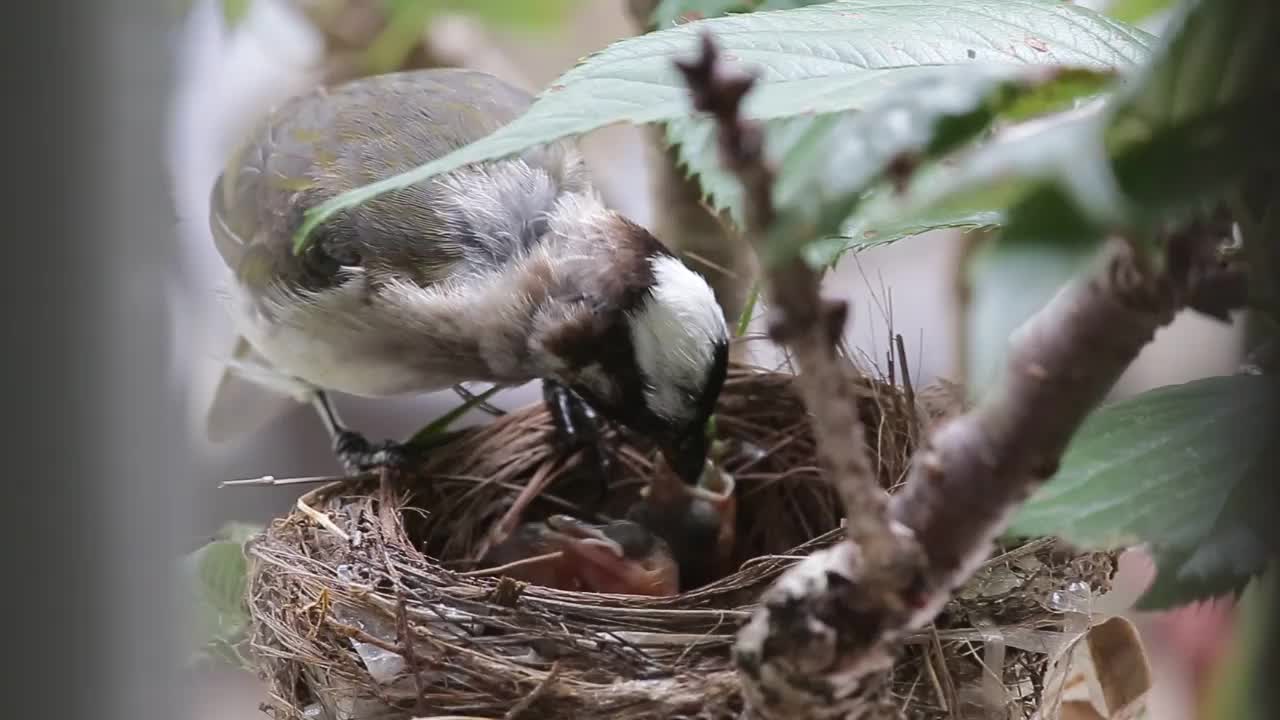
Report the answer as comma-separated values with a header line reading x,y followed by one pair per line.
x,y
216,576
1243,686
1134,11
1187,469
525,14
670,12
827,163
859,233
235,11
1191,125
824,58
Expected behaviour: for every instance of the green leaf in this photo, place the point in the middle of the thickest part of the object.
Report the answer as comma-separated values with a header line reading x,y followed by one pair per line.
x,y
1187,469
1242,540
235,11
1174,588
861,233
216,576
1135,11
819,59
1188,127
1054,173
826,163
522,15
671,12
435,430
406,20
1242,686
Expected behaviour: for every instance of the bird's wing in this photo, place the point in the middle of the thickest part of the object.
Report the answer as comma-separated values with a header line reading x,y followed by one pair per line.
x,y
249,395
321,144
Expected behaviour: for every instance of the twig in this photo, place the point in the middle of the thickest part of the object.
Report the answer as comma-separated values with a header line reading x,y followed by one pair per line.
x,y
406,640
500,569
403,630
809,325
477,401
913,413
538,691
935,661
796,659
962,300
321,518
507,524
926,661
387,511
273,481
703,260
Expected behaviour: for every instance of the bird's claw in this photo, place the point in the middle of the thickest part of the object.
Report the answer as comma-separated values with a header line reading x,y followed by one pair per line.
x,y
358,455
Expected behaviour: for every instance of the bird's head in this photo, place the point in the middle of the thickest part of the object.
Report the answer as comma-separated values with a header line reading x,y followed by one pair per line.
x,y
649,349
617,557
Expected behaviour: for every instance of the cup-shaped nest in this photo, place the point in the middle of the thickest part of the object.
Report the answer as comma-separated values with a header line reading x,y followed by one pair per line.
x,y
368,600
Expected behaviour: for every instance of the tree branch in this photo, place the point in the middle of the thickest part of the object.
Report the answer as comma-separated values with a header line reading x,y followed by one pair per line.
x,y
823,639
800,318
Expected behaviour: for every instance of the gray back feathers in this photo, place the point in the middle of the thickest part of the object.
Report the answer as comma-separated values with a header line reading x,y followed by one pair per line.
x,y
329,141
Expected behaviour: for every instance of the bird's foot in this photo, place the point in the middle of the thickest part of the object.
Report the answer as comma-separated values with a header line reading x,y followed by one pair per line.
x,y
577,427
358,455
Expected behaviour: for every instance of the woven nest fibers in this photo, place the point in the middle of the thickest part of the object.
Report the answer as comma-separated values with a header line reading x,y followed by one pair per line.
x,y
341,583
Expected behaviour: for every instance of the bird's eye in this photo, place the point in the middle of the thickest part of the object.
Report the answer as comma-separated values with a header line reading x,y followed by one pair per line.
x,y
323,257
318,262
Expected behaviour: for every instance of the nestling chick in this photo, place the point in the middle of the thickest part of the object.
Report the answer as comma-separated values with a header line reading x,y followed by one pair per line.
x,y
699,522
503,272
619,557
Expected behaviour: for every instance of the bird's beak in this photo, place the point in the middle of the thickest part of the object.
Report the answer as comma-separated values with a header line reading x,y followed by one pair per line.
x,y
585,539
687,453
602,564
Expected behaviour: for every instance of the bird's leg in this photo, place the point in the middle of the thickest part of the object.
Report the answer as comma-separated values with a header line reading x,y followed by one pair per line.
x,y
577,427
356,453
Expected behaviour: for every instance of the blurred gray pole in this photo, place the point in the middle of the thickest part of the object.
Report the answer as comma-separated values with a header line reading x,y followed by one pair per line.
x,y
92,439
147,506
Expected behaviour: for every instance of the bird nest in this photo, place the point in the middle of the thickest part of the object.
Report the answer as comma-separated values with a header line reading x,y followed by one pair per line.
x,y
340,584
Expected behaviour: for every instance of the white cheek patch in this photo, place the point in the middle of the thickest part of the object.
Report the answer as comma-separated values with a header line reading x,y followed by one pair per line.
x,y
675,334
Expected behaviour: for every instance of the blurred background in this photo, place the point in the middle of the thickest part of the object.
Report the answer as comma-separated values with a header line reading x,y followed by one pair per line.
x,y
231,60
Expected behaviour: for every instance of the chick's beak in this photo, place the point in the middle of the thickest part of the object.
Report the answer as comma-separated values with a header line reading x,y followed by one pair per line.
x,y
584,539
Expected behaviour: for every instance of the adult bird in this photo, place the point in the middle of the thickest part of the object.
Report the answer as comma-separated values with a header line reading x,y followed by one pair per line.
x,y
504,272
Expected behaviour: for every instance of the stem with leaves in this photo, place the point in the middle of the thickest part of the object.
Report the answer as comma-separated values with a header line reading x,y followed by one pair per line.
x,y
824,636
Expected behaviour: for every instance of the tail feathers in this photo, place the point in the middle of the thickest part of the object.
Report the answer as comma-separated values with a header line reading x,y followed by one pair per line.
x,y
250,394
